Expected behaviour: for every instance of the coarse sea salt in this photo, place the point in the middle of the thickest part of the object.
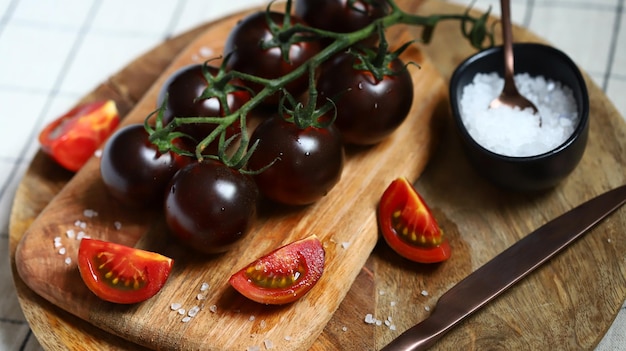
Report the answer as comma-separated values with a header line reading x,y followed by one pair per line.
x,y
89,213
515,132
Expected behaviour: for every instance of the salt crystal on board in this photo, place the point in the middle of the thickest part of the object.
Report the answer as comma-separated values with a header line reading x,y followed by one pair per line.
x,y
70,233
193,311
89,213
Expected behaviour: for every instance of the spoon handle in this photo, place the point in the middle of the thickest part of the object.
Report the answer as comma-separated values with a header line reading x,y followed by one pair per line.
x,y
507,37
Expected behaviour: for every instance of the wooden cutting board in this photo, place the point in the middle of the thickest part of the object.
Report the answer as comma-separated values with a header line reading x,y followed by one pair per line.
x,y
344,220
567,304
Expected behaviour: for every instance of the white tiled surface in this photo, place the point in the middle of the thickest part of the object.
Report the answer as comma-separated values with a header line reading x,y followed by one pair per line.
x,y
54,51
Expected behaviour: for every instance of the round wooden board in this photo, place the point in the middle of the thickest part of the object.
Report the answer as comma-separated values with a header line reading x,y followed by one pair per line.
x,y
567,304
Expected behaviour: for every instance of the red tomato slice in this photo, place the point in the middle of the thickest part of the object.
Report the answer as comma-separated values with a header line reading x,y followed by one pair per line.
x,y
284,275
74,137
408,226
121,274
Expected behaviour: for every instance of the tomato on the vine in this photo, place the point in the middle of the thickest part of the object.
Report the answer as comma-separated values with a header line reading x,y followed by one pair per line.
x,y
183,90
133,170
305,163
244,45
408,226
284,275
121,274
74,137
368,109
210,206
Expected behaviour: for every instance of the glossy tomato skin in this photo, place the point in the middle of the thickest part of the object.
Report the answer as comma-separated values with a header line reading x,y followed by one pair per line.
x,y
74,137
308,162
249,57
121,274
134,171
368,110
210,207
184,87
408,226
284,275
339,15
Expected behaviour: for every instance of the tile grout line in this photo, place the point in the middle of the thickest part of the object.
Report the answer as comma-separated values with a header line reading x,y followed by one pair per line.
x,y
11,321
25,342
613,47
7,15
176,16
52,94
529,13
580,5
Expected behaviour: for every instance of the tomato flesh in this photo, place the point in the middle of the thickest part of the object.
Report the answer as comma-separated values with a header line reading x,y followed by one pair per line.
x,y
121,274
74,137
284,275
408,225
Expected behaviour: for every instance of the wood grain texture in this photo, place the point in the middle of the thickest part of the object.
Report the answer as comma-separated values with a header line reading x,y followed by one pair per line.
x,y
237,322
566,305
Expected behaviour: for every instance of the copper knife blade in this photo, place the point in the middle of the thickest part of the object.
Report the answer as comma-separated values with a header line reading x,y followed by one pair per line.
x,y
506,269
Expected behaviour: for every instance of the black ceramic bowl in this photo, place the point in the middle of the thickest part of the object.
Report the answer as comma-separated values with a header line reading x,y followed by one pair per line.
x,y
537,172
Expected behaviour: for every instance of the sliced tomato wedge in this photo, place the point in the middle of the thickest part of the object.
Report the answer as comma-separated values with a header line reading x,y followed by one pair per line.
x,y
121,274
74,137
408,226
284,275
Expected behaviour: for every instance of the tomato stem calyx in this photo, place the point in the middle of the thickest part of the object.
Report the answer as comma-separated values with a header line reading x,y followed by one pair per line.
x,y
284,35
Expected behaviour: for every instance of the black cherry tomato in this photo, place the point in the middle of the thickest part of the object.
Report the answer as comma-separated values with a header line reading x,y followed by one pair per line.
x,y
307,162
341,16
133,170
183,89
209,206
408,226
284,275
121,274
368,109
244,42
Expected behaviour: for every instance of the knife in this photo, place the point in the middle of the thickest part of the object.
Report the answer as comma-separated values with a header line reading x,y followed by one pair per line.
x,y
506,269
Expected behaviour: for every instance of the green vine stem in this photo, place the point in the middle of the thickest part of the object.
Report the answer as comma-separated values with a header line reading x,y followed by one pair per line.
x,y
474,29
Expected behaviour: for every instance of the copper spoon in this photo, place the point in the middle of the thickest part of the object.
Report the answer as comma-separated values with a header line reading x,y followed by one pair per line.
x,y
510,96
